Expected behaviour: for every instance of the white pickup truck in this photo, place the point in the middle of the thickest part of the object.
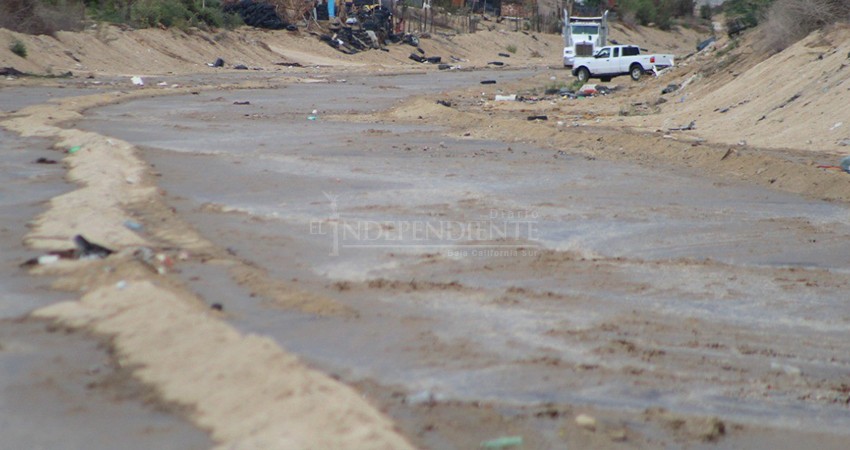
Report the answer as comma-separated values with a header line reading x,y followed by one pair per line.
x,y
616,60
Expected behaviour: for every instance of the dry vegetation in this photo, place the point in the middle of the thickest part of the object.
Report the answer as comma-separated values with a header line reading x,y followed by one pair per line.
x,y
788,21
35,17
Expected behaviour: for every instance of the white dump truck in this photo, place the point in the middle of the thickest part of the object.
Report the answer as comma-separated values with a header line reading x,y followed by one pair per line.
x,y
615,60
583,36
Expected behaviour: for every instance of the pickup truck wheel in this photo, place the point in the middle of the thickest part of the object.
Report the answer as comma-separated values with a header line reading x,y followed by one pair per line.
x,y
583,74
636,71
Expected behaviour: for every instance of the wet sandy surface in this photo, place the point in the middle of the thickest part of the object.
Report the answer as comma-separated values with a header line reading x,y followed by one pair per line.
x,y
629,289
60,389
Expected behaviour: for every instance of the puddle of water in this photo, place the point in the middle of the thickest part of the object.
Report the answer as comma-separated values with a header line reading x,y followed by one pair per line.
x,y
57,390
26,186
673,250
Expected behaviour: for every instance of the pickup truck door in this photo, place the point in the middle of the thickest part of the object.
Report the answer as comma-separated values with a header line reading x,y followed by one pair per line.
x,y
604,63
617,61
628,56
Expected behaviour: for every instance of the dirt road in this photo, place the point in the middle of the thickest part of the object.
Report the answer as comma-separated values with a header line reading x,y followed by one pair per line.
x,y
494,288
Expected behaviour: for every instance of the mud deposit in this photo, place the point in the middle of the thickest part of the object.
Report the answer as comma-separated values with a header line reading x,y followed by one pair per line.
x,y
504,288
58,388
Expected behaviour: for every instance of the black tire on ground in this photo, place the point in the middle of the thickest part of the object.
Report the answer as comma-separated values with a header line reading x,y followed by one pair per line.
x,y
636,71
583,74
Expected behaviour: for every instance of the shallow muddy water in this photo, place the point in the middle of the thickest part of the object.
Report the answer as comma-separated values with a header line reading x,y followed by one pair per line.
x,y
60,389
603,283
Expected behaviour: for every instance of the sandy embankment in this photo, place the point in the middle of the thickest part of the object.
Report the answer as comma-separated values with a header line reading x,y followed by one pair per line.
x,y
244,389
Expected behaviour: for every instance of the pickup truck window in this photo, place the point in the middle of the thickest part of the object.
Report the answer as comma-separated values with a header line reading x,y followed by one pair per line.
x,y
616,52
631,51
604,53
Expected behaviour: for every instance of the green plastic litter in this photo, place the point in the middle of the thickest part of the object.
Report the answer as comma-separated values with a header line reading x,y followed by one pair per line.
x,y
74,149
502,442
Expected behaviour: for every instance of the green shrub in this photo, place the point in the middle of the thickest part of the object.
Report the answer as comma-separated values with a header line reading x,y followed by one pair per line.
x,y
17,47
152,13
747,13
511,48
232,21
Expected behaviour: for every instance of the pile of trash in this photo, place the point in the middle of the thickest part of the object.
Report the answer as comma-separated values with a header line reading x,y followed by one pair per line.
x,y
368,27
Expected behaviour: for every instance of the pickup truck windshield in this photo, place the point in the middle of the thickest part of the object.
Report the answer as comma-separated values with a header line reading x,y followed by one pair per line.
x,y
585,29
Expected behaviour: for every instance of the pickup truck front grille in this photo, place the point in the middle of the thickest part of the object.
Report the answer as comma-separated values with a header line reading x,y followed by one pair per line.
x,y
584,49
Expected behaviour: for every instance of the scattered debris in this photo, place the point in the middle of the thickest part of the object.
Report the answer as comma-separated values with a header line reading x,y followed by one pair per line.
x,y
538,117
503,442
446,103
410,39
588,89
89,250
496,63
504,55
157,262
836,126
690,126
313,115
133,225
670,88
45,161
217,63
49,258
288,64
781,105
444,66
586,421
242,103
505,98
217,307
488,82
417,58
83,249
566,92
10,72
605,90
74,149
704,44
138,81
845,164
729,153
240,67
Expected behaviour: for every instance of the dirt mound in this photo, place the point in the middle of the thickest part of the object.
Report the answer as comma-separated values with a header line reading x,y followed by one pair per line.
x,y
112,50
794,99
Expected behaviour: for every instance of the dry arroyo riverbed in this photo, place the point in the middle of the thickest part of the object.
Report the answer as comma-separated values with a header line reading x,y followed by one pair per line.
x,y
468,288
